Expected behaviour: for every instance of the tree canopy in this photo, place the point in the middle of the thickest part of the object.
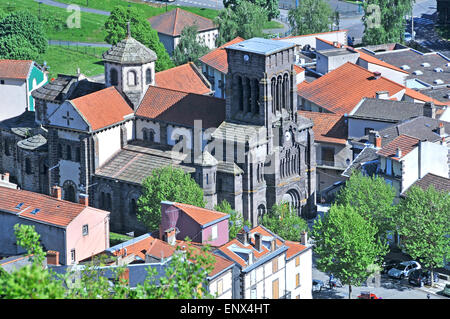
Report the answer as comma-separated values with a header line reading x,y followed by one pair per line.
x,y
384,20
347,246
166,184
246,21
311,16
22,36
423,221
284,222
271,6
117,27
236,220
190,48
372,198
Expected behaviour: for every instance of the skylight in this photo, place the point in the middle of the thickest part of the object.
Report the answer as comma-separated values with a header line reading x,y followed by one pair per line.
x,y
19,206
417,72
35,211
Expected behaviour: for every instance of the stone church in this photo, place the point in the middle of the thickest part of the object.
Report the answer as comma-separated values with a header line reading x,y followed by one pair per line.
x,y
101,140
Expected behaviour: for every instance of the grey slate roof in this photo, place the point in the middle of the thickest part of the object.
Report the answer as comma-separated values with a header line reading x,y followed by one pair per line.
x,y
367,155
21,124
206,159
133,165
66,87
241,133
422,127
36,142
129,51
440,93
387,110
229,168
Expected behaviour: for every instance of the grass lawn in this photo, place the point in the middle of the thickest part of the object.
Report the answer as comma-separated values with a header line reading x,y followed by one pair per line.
x,y
115,239
66,60
149,9
55,21
273,25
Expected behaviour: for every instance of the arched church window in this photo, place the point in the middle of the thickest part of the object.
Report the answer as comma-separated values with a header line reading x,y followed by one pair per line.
x,y
69,193
132,78
114,77
78,154
144,134
133,206
69,153
6,144
148,76
108,201
151,135
28,166
59,151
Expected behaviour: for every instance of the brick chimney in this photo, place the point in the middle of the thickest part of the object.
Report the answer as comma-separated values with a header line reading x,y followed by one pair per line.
x,y
375,139
398,153
84,199
429,110
376,75
304,238
170,236
243,237
53,257
5,177
441,129
382,95
56,192
258,241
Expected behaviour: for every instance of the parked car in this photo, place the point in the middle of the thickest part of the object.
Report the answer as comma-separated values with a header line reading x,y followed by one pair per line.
x,y
446,291
389,264
368,295
420,277
317,285
403,269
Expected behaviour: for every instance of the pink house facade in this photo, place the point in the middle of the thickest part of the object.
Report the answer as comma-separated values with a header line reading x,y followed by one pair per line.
x,y
199,224
74,230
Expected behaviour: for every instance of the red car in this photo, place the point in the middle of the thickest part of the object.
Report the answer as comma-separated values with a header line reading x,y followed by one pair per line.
x,y
368,295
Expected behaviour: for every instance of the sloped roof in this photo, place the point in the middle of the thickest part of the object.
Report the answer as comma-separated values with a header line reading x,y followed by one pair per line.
x,y
174,21
129,51
391,110
371,59
202,216
185,77
422,97
403,142
102,108
217,59
51,210
181,107
15,69
328,127
340,90
441,184
294,248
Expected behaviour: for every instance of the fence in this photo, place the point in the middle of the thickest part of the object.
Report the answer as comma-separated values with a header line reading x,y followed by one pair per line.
x,y
84,48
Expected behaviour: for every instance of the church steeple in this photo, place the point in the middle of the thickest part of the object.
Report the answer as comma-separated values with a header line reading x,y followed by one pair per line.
x,y
130,66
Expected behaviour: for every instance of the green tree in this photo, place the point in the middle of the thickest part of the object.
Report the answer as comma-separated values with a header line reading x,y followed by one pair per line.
x,y
311,16
346,245
384,20
271,6
117,27
22,36
166,184
236,220
423,221
189,48
32,281
372,198
246,21
284,222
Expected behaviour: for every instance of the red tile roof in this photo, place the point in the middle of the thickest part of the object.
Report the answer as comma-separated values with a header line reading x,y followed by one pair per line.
x,y
217,59
15,69
181,107
404,142
201,215
422,97
341,89
51,210
102,108
298,69
227,249
294,248
371,59
328,127
186,78
174,21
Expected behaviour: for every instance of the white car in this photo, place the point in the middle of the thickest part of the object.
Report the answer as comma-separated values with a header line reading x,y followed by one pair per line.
x,y
403,269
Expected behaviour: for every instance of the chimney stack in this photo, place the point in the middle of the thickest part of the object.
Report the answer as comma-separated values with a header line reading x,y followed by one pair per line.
x,y
398,153
258,241
429,110
53,257
273,244
375,139
5,177
382,95
170,236
376,75
243,236
84,199
56,192
441,129
304,238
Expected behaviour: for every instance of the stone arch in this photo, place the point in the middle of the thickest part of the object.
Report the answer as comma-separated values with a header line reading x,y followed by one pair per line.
x,y
292,197
70,191
132,198
261,210
132,78
148,76
104,197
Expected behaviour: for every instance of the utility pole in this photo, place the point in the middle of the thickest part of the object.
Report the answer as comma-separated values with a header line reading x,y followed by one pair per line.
x,y
412,24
